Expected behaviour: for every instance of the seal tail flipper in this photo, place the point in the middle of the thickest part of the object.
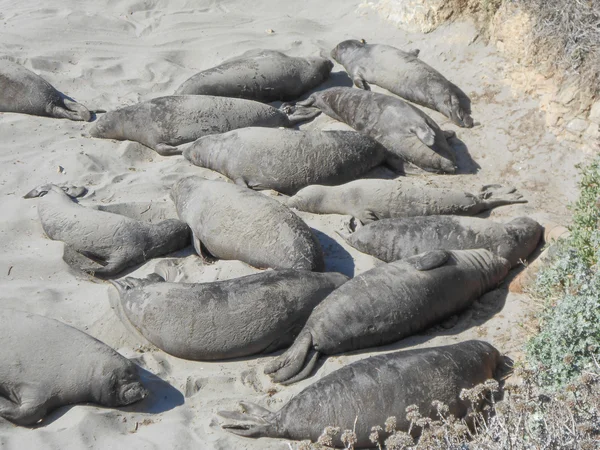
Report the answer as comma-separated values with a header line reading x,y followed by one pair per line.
x,y
289,364
72,110
301,114
310,364
256,421
167,150
493,195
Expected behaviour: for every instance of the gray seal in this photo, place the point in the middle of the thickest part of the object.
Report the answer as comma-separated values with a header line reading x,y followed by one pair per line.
x,y
233,222
113,241
394,239
401,128
261,75
405,75
367,392
373,199
257,313
24,92
388,303
48,364
166,122
287,160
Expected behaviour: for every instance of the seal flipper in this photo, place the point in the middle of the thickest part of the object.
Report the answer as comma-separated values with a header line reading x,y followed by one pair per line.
x,y
167,150
360,82
22,413
493,195
202,251
425,134
290,363
428,260
72,110
301,114
255,422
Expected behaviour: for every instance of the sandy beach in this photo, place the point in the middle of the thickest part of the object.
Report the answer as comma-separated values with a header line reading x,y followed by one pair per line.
x,y
109,54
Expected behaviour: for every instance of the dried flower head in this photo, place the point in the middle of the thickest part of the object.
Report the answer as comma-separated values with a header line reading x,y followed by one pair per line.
x,y
390,424
349,438
329,433
374,436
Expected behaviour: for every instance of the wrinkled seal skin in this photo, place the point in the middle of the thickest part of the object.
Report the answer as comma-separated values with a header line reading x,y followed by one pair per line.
x,y
233,222
401,128
287,160
166,122
257,313
48,364
22,91
261,75
114,241
388,303
369,200
394,239
405,75
372,390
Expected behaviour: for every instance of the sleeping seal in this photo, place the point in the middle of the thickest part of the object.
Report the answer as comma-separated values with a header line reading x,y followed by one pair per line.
x,y
114,241
261,75
367,392
401,128
388,303
234,222
166,122
257,313
22,91
369,200
394,239
287,160
48,364
405,75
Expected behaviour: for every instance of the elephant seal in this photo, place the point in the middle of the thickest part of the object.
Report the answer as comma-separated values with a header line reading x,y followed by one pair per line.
x,y
367,392
24,92
369,200
166,122
113,241
394,239
48,364
257,313
233,222
261,75
405,75
287,160
388,303
400,127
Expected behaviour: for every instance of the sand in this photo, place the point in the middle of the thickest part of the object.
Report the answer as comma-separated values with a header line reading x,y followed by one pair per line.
x,y
107,54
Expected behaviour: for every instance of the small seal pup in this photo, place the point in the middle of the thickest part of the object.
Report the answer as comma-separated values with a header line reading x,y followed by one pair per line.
x,y
258,313
166,122
405,75
48,364
369,200
394,239
287,160
400,127
24,92
369,391
114,241
261,75
234,222
388,303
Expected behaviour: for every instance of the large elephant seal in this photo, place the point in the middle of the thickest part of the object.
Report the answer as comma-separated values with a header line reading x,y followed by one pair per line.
x,y
113,241
47,364
261,75
22,91
394,239
257,313
388,303
404,74
369,200
287,160
234,222
367,392
166,122
400,127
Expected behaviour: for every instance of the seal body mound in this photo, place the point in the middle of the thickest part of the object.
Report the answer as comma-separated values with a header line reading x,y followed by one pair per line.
x,y
369,200
22,91
401,128
261,75
404,74
113,241
388,303
394,239
48,364
225,319
374,389
287,160
233,222
166,122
